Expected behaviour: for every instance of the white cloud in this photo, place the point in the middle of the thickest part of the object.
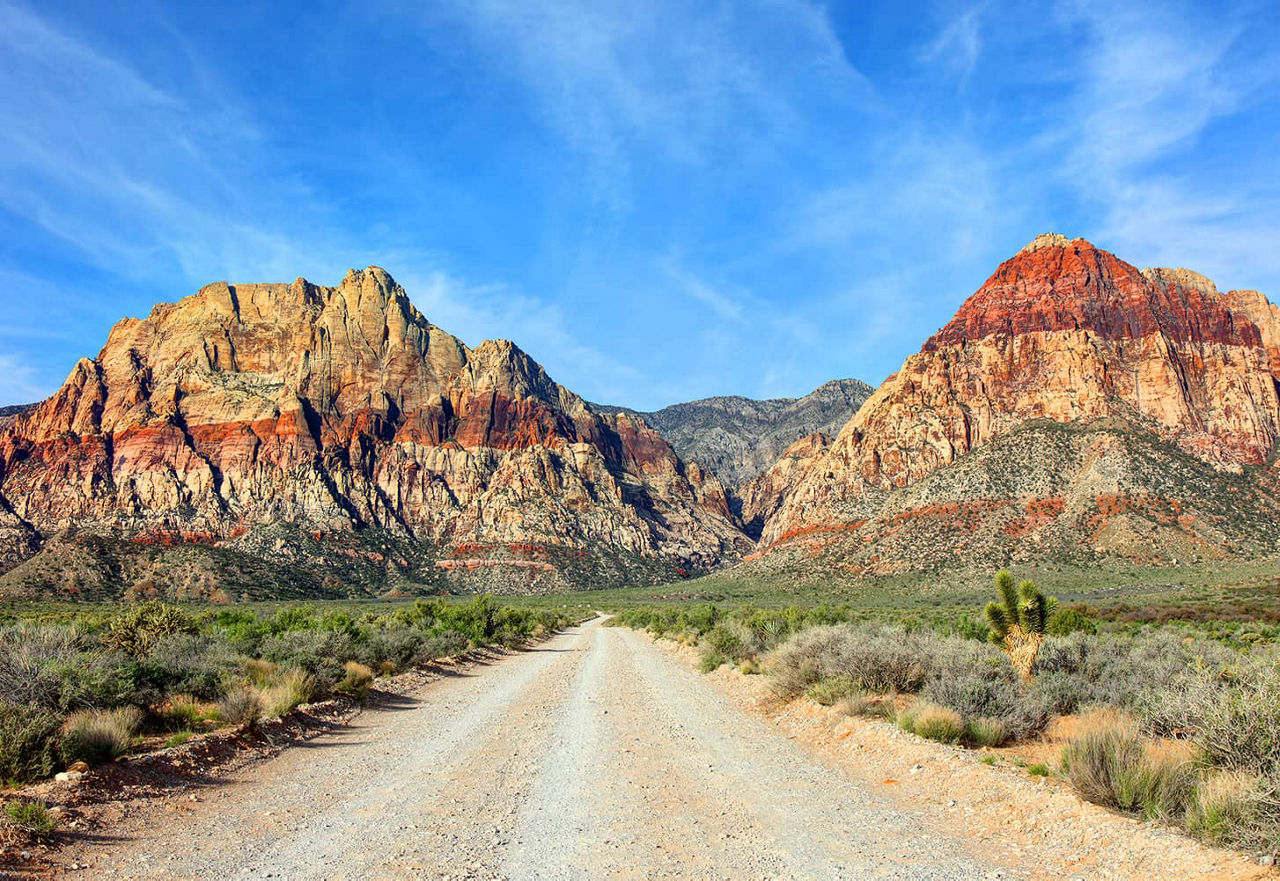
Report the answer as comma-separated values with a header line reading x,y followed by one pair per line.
x,y
959,45
621,80
1154,84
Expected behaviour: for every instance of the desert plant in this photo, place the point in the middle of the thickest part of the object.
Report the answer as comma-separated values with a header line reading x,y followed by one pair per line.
x,y
1065,622
933,722
356,680
868,706
28,742
31,817
710,660
1038,769
137,630
181,711
1224,806
97,736
178,738
1017,623
240,706
987,731
294,688
1110,763
828,691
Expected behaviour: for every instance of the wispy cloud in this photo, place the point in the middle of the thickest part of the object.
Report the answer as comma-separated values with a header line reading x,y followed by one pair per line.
x,y
1155,83
959,45
619,81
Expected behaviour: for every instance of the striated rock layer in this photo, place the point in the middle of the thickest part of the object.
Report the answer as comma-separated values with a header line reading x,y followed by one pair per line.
x,y
1062,334
340,410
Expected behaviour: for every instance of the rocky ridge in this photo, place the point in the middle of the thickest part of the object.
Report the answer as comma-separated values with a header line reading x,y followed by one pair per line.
x,y
294,421
738,438
1145,406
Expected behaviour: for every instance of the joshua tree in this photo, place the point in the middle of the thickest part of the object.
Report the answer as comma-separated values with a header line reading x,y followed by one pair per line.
x,y
1018,621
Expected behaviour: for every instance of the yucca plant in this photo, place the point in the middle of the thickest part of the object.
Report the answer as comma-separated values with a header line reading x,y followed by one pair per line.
x,y
1017,623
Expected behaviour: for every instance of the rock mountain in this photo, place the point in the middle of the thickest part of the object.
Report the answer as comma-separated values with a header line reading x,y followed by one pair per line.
x,y
331,438
1074,407
737,438
296,440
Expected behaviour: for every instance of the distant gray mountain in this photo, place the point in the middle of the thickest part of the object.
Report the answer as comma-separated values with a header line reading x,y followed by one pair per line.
x,y
737,438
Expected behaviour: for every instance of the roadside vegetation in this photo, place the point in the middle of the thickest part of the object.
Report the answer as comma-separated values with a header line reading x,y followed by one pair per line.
x,y
1177,721
96,683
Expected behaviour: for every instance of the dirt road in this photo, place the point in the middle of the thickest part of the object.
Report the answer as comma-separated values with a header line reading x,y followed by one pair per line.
x,y
592,755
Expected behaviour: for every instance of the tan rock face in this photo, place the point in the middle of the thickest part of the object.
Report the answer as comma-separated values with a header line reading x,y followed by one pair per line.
x,y
1067,333
342,408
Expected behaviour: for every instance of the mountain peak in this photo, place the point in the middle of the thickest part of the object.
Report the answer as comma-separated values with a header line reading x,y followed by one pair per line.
x,y
1048,240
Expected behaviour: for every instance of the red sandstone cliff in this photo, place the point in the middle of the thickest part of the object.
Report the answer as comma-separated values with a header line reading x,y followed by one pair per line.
x,y
338,409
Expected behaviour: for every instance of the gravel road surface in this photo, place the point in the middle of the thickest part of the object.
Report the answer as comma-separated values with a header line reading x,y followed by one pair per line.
x,y
594,754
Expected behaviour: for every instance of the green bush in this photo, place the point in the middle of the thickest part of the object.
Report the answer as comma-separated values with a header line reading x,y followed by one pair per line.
x,y
711,660
28,742
98,736
31,817
829,691
1067,621
136,631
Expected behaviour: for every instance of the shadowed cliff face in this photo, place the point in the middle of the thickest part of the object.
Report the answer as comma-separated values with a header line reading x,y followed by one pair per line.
x,y
1063,333
338,409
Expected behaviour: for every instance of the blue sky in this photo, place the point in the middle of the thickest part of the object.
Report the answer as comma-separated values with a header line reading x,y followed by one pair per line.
x,y
659,201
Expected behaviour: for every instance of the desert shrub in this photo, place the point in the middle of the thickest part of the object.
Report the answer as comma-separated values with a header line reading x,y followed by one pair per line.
x,y
868,706
356,680
97,736
181,711
829,691
906,717
31,817
196,664
1225,807
937,723
873,658
240,706
1241,731
727,640
137,630
294,688
1038,769
52,666
1066,621
442,645
970,681
28,742
1110,763
987,731
710,660
321,653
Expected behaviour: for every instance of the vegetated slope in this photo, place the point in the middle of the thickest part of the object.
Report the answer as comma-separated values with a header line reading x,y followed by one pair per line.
x,y
736,438
1075,407
336,433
